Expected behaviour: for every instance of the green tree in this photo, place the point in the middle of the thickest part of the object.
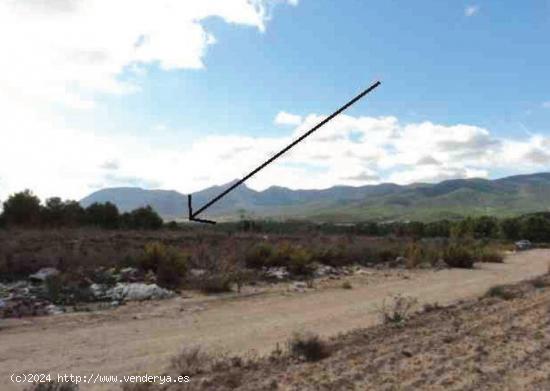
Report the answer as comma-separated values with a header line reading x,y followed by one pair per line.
x,y
52,213
485,227
438,229
22,208
142,218
535,228
102,215
510,228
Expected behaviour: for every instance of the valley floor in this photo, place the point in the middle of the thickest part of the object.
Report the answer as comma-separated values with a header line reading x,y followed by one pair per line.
x,y
141,337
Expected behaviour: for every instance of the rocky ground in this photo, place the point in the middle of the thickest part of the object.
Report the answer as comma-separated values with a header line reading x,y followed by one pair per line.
x,y
35,296
143,337
498,342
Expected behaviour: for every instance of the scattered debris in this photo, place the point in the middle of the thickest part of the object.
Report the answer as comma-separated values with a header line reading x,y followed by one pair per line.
x,y
137,291
43,274
276,273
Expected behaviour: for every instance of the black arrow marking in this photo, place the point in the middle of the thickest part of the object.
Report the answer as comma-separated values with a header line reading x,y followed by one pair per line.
x,y
193,216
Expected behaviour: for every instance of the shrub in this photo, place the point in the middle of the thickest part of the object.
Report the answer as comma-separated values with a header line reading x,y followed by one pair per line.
x,y
456,255
347,285
309,347
300,262
398,311
505,292
259,256
168,263
332,256
541,282
489,256
215,283
67,289
192,361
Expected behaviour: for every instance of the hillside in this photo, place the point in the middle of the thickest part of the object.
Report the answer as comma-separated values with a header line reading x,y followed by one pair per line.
x,y
448,199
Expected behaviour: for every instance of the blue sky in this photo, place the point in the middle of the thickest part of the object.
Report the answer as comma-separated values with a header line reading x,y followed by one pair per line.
x,y
465,92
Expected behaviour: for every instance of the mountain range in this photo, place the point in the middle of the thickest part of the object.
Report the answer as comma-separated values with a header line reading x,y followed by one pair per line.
x,y
450,199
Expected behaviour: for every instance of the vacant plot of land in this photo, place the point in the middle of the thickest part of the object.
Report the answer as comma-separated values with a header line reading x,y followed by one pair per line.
x,y
489,344
141,338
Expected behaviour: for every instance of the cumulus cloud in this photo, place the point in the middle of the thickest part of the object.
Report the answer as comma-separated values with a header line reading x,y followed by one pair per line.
x,y
284,118
77,162
66,54
68,51
471,10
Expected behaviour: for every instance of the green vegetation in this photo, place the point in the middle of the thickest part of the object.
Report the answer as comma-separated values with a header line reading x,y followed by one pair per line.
x,y
24,209
505,292
398,311
168,263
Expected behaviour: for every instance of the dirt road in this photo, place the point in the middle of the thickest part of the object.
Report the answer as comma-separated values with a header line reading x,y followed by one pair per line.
x,y
141,337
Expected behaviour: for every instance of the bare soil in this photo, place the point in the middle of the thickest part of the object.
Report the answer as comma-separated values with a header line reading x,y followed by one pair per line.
x,y
141,337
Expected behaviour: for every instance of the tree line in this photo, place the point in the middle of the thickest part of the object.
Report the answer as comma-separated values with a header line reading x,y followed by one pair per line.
x,y
534,227
24,209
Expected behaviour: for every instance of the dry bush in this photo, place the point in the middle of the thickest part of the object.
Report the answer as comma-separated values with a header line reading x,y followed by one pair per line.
x,y
458,255
192,361
505,292
347,285
489,255
309,347
397,312
167,262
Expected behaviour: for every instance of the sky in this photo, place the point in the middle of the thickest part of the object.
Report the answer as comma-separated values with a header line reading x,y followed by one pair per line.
x,y
187,94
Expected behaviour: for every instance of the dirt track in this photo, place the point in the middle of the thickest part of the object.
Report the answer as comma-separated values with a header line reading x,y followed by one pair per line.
x,y
140,338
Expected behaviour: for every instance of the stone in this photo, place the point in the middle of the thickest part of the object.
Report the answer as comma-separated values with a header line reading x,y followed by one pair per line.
x,y
197,272
129,274
43,274
138,292
299,285
277,273
440,264
399,262
53,309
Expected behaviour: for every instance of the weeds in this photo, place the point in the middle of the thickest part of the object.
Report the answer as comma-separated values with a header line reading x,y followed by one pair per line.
x,y
505,292
458,255
398,311
309,347
347,285
168,263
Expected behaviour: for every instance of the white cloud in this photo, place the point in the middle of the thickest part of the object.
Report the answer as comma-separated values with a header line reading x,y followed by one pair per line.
x,y
72,163
67,51
471,10
66,54
284,118
546,105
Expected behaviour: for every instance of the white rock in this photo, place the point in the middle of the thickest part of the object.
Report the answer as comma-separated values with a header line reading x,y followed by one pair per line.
x,y
299,285
44,273
197,272
137,291
53,309
279,273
